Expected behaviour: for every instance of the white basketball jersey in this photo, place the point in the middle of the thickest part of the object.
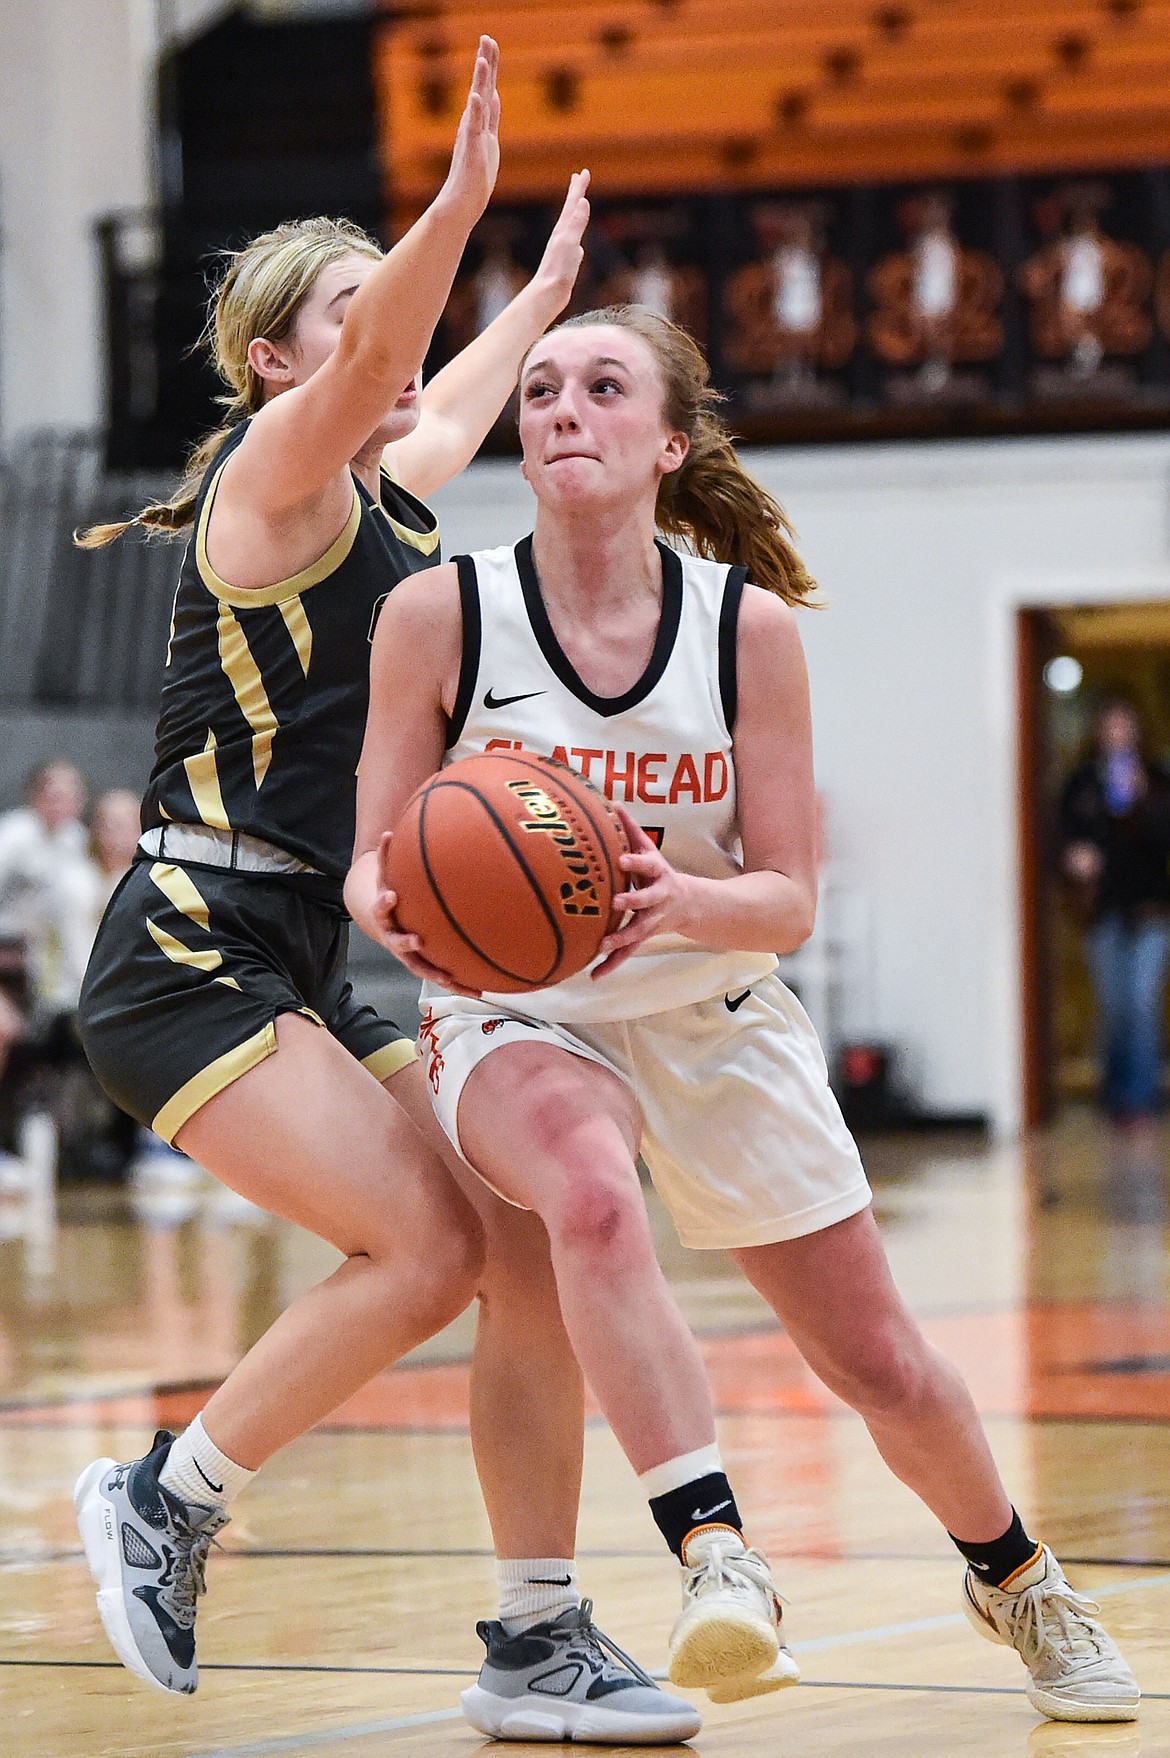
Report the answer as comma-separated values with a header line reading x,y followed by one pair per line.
x,y
662,750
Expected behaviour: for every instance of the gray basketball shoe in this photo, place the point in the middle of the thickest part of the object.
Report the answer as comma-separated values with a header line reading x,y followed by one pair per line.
x,y
564,1680
147,1551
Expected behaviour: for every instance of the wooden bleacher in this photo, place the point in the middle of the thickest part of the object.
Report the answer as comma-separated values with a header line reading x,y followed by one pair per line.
x,y
659,96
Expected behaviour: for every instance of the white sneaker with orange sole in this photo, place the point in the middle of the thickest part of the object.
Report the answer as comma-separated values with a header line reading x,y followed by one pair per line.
x,y
1077,1670
727,1637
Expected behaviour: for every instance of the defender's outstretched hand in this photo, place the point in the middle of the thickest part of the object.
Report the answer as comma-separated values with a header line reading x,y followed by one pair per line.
x,y
563,254
475,159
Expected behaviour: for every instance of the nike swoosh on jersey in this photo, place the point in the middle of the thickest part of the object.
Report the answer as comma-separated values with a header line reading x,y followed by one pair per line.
x,y
733,1005
492,701
707,1513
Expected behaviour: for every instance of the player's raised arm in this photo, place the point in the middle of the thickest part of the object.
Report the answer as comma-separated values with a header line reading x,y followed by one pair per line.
x,y
303,437
462,401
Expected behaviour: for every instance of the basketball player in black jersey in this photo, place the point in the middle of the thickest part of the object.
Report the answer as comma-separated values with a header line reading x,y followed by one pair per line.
x,y
216,1007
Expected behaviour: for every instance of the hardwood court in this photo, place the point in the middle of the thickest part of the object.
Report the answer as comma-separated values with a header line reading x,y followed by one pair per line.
x,y
340,1617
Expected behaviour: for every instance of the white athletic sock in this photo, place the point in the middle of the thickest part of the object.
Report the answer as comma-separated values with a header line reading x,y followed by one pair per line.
x,y
535,1589
196,1470
676,1473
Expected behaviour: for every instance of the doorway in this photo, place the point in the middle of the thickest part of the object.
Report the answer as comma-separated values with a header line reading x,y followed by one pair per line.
x,y
1071,657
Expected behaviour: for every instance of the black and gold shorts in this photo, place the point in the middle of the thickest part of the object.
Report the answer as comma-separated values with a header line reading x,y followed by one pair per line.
x,y
189,971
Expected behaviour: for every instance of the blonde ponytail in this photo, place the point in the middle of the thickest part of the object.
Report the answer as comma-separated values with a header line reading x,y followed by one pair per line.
x,y
260,292
711,502
163,518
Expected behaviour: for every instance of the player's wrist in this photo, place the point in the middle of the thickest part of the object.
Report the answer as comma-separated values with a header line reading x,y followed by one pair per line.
x,y
459,205
548,293
692,905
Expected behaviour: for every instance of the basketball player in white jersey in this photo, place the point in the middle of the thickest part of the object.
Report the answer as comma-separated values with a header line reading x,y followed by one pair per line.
x,y
681,692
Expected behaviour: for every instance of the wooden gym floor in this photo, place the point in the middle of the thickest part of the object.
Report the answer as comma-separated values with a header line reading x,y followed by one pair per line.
x,y
340,1622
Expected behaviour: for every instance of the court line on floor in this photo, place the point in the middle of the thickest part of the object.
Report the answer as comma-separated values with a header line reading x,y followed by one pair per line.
x,y
18,1559
265,1666
916,1626
816,1644
11,1422
150,1389
396,1724
325,1737
463,1672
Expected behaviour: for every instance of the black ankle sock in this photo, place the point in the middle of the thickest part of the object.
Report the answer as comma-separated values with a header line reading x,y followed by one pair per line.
x,y
705,1501
996,1562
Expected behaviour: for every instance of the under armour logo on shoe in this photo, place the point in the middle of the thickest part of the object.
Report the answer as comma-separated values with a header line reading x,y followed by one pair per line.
x,y
717,1509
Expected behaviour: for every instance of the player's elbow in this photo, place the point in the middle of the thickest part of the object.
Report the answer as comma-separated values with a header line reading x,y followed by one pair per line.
x,y
798,921
365,355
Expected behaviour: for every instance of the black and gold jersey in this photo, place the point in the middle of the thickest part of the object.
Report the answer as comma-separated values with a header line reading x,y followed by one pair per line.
x,y
266,692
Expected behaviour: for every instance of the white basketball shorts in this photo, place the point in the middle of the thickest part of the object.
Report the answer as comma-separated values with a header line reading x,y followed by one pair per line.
x,y
743,1138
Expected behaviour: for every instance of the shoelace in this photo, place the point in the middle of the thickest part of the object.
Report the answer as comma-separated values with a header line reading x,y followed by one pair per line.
x,y
733,1571
189,1578
1030,1614
606,1649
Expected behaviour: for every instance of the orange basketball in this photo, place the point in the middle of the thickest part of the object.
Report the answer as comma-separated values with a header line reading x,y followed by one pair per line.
x,y
505,866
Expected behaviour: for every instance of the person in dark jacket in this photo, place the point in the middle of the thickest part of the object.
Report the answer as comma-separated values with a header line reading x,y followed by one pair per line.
x,y
1115,837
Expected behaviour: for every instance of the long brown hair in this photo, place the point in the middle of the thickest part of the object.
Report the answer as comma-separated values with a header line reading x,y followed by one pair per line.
x,y
259,293
711,502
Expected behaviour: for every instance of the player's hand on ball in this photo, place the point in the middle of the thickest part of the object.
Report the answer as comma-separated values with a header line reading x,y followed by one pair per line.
x,y
406,948
657,898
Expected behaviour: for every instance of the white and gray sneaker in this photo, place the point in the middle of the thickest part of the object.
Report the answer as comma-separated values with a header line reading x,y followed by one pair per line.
x,y
147,1551
1077,1670
727,1636
564,1680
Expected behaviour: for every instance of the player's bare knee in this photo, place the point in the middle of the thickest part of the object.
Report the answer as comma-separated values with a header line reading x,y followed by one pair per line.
x,y
600,1217
447,1272
890,1380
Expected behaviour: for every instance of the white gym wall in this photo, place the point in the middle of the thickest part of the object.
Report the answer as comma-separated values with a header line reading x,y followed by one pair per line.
x,y
924,554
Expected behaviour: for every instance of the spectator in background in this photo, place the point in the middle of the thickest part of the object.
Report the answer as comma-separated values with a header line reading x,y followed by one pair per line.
x,y
114,829
1115,836
54,888
42,850
80,887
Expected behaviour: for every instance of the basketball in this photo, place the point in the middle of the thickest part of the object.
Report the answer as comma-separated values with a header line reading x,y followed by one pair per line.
x,y
506,866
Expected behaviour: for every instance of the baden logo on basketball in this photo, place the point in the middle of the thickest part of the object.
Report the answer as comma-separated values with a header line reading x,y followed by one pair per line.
x,y
506,868
579,895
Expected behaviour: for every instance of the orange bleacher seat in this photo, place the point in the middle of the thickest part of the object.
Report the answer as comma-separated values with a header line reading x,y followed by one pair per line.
x,y
660,98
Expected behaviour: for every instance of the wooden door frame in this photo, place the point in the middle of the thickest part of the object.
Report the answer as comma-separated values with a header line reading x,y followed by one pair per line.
x,y
1037,639
1037,1087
